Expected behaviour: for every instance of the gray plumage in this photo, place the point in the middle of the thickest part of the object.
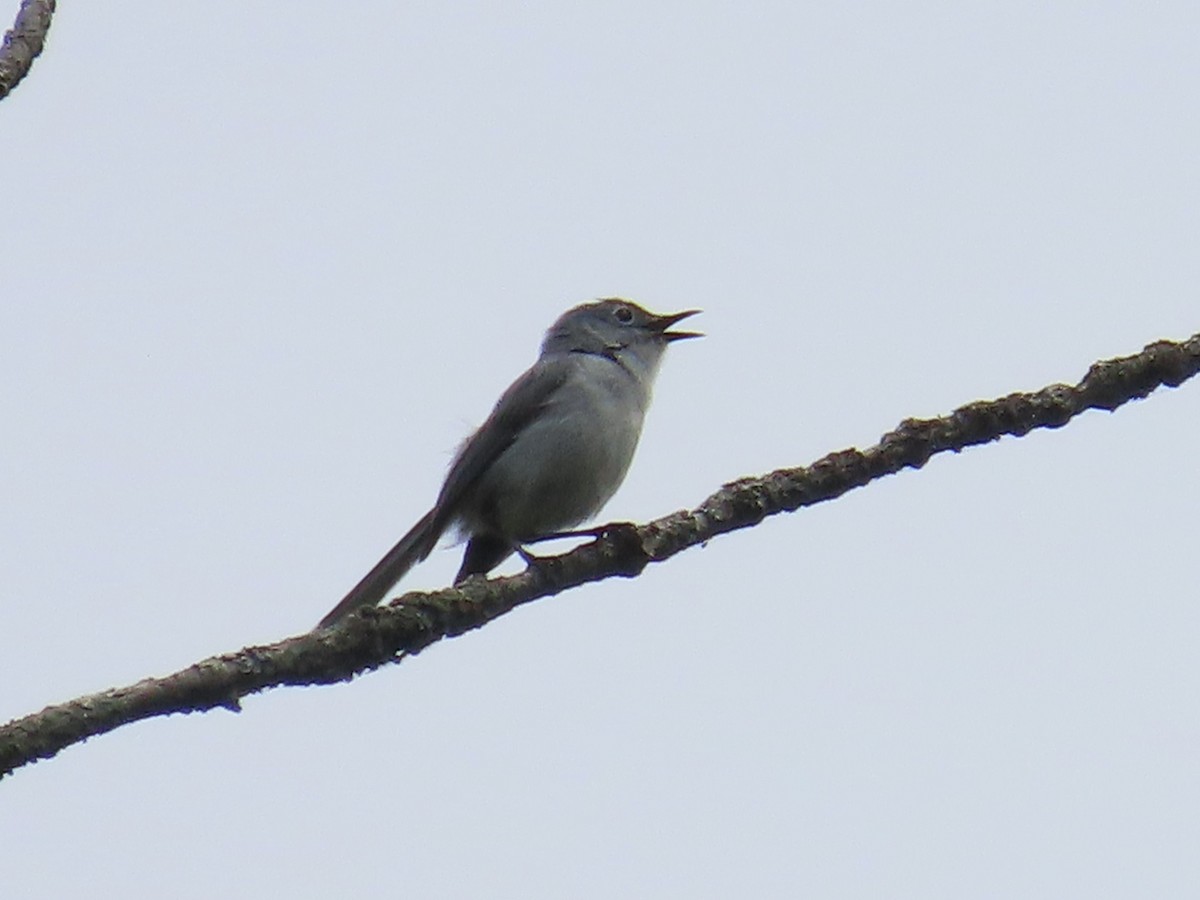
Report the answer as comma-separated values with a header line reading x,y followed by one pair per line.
x,y
553,451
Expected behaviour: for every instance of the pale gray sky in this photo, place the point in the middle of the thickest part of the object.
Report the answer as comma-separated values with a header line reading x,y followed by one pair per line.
x,y
267,264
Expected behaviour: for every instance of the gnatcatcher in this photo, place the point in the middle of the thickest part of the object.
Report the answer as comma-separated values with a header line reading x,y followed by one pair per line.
x,y
555,448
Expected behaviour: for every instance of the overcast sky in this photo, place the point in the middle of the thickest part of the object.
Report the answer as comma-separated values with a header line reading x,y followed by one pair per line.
x,y
267,264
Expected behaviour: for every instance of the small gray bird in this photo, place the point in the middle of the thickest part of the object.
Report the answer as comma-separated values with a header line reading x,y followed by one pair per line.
x,y
553,451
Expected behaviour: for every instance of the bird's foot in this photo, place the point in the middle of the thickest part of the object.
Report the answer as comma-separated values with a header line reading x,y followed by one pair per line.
x,y
597,532
544,563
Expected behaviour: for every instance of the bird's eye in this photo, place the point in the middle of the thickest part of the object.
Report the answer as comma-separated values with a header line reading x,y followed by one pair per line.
x,y
624,315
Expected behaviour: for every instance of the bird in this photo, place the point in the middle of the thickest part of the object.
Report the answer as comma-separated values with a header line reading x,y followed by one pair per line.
x,y
551,453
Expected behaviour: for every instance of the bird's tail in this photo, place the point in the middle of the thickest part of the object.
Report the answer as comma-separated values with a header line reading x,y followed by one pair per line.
x,y
412,548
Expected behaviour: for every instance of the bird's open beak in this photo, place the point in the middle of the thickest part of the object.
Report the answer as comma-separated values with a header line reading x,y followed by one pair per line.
x,y
662,323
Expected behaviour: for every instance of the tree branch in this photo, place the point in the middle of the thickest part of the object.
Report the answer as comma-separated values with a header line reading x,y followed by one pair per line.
x,y
374,637
23,42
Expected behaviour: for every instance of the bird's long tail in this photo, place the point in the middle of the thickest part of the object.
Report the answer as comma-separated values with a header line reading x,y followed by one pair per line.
x,y
411,549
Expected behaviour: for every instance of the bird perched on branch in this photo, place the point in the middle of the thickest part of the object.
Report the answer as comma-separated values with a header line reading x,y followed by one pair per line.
x,y
553,451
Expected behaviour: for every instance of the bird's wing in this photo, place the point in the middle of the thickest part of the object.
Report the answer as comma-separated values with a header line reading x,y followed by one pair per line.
x,y
522,403
517,407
